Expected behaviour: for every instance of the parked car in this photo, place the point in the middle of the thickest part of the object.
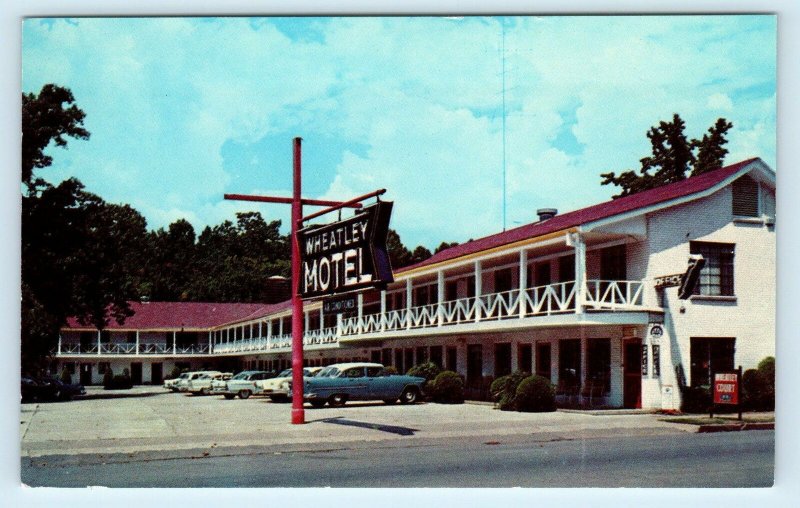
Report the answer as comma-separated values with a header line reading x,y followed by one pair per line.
x,y
201,385
279,388
172,384
338,383
48,388
183,383
242,384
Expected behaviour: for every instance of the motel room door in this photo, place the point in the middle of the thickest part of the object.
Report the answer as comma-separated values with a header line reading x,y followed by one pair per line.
x,y
136,373
86,374
632,373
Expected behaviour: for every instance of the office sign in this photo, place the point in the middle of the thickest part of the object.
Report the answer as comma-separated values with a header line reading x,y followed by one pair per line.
x,y
726,388
346,255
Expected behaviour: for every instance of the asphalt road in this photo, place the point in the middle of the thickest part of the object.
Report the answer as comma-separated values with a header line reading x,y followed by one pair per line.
x,y
736,459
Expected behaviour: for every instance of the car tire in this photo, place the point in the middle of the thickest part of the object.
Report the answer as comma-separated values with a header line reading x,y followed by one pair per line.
x,y
409,396
244,394
203,391
389,401
317,403
337,400
229,396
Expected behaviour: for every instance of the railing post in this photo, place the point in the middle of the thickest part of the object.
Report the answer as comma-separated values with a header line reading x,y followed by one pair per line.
x,y
99,342
440,297
59,344
211,339
408,303
360,322
339,325
383,310
174,343
137,342
576,241
478,290
523,282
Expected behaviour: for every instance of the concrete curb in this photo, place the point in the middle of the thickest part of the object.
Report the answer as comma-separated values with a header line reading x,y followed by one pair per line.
x,y
735,427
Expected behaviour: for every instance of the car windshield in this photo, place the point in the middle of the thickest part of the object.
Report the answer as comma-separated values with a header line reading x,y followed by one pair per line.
x,y
286,373
241,375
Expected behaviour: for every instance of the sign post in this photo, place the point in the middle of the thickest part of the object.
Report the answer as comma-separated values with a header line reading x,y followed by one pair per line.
x,y
726,390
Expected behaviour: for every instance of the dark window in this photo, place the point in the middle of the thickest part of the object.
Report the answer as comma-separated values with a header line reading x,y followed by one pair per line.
x,y
598,358
569,362
471,286
409,360
745,197
398,361
436,355
524,358
716,277
502,280
386,356
710,355
612,263
543,360
502,359
451,358
451,291
422,295
422,355
566,268
474,365
375,356
543,276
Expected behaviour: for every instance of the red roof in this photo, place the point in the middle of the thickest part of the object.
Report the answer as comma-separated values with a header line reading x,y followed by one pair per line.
x,y
593,213
188,315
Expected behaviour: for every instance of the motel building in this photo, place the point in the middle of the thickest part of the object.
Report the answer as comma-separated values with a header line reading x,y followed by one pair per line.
x,y
576,297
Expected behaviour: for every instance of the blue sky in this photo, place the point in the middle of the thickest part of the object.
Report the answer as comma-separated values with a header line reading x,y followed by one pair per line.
x,y
183,110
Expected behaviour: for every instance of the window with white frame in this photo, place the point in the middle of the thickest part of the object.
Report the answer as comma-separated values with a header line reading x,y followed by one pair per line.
x,y
716,277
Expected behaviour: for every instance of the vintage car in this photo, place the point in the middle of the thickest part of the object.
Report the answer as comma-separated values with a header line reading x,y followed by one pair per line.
x,y
183,382
48,388
201,385
278,388
338,383
242,384
172,384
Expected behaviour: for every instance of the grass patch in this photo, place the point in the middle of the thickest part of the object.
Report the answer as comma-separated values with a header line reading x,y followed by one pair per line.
x,y
699,420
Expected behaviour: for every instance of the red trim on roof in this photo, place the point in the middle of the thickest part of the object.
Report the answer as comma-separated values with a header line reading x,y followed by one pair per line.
x,y
592,213
189,315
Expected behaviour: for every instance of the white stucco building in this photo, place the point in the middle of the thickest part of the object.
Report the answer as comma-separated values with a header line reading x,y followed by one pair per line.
x,y
572,297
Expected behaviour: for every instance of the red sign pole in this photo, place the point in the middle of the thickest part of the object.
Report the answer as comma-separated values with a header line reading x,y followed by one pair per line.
x,y
298,413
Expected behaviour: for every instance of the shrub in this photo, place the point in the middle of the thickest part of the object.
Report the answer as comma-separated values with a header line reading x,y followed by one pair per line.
x,y
65,376
390,370
120,382
535,394
176,372
108,378
758,386
428,370
696,399
504,390
767,369
447,388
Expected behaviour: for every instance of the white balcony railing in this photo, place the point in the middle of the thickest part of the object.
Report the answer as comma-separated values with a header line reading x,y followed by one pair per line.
x,y
551,299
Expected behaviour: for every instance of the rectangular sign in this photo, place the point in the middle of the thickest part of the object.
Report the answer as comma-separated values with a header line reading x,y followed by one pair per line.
x,y
339,305
726,388
346,255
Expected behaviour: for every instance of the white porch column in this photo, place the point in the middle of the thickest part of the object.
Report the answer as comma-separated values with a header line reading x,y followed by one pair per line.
x,y
210,341
408,303
440,297
523,282
307,320
269,329
174,342
478,289
137,342
99,341
576,241
360,322
59,343
260,329
383,309
321,318
280,327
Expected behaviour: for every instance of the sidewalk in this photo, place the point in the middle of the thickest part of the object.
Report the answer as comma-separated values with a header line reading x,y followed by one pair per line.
x,y
148,419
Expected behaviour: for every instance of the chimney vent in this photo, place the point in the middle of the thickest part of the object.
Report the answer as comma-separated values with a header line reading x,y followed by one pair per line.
x,y
546,213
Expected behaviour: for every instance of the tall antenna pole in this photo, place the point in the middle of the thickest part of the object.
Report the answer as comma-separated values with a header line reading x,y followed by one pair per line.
x,y
503,55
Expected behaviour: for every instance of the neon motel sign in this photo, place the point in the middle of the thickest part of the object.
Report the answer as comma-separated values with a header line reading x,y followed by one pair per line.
x,y
346,255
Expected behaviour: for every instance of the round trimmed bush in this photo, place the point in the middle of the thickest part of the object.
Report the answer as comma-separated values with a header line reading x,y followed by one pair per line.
x,y
504,390
535,394
108,378
428,370
448,388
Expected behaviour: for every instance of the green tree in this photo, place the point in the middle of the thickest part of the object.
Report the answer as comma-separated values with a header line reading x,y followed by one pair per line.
x,y
444,245
673,156
46,120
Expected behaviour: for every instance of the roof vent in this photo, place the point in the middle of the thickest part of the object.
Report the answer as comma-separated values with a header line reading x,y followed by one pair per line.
x,y
546,213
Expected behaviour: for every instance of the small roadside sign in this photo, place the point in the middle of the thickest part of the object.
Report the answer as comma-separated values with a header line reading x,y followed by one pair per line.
x,y
725,390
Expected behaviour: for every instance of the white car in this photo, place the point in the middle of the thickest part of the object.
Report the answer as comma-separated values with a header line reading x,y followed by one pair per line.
x,y
242,384
201,385
183,383
278,387
172,384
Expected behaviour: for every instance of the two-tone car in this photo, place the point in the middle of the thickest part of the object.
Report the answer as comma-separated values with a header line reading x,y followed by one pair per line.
x,y
279,388
338,383
183,382
201,385
172,384
242,384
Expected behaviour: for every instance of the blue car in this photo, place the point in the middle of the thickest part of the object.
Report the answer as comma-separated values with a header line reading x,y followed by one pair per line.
x,y
338,383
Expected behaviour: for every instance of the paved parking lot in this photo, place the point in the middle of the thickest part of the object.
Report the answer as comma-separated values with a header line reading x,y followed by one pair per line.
x,y
152,419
